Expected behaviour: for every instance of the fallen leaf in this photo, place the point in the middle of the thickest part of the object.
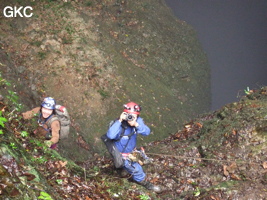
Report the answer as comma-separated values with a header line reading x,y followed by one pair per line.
x,y
234,132
225,172
63,164
29,176
214,198
235,177
232,167
199,124
264,164
14,192
82,143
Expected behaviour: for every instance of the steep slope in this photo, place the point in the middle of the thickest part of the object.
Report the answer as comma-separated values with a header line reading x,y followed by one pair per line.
x,y
220,155
217,156
94,56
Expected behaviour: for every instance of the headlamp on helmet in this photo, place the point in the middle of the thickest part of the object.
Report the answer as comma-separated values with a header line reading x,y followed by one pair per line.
x,y
49,103
132,108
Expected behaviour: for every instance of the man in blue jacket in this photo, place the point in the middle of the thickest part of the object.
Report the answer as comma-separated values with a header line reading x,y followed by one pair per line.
x,y
131,124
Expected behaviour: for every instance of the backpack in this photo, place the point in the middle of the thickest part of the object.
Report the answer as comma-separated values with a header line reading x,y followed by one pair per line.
x,y
111,146
63,117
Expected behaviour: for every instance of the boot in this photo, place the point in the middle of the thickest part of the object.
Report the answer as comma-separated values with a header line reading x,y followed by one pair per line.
x,y
150,186
123,173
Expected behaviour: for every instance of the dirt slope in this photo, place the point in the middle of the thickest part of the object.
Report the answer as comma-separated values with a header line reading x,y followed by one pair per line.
x,y
218,156
94,56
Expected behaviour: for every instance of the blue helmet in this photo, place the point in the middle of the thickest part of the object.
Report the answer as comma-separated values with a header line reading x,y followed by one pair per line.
x,y
49,103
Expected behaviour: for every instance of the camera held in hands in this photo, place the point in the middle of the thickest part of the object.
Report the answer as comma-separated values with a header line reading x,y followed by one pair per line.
x,y
129,117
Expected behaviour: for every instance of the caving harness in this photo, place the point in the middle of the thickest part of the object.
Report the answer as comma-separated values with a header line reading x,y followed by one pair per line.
x,y
112,148
48,121
119,157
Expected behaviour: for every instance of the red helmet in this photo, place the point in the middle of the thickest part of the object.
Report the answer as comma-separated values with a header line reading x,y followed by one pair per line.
x,y
132,108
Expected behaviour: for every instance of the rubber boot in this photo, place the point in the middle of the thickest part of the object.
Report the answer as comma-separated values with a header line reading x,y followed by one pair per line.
x,y
150,186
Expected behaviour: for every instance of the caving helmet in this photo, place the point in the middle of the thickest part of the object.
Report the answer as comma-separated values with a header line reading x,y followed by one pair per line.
x,y
49,103
132,108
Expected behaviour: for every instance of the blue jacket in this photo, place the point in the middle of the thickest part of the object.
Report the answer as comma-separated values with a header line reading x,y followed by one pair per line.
x,y
115,130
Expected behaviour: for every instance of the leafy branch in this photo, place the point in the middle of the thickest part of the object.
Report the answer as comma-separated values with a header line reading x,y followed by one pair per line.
x,y
45,196
2,122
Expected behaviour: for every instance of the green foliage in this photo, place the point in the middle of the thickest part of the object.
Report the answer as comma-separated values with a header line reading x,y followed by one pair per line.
x,y
24,134
42,55
67,5
40,159
45,196
247,91
96,169
70,29
144,197
197,192
2,120
38,143
3,81
89,3
146,6
12,96
104,94
67,40
36,43
59,181
13,145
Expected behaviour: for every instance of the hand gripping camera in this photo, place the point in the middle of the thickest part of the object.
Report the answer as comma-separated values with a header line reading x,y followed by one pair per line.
x,y
129,117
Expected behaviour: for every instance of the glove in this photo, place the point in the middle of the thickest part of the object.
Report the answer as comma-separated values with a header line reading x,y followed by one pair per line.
x,y
48,143
132,157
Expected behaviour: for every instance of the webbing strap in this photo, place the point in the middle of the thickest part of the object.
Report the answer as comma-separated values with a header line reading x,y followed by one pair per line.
x,y
124,126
